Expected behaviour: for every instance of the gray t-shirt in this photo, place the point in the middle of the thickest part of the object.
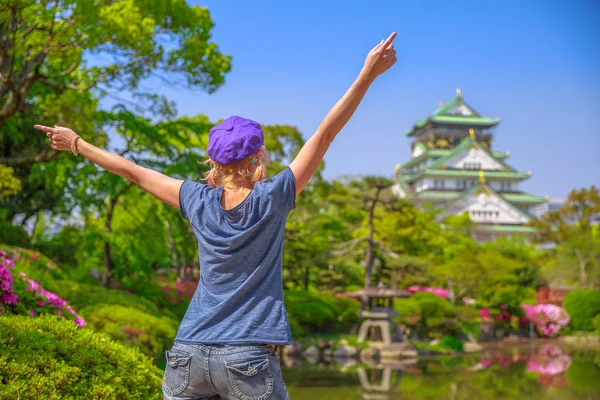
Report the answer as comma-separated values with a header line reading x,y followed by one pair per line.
x,y
239,298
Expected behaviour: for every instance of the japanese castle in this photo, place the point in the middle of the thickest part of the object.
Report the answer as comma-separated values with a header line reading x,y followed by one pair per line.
x,y
454,168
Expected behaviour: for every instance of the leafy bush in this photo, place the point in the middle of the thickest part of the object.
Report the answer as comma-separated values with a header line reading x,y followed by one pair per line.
x,y
437,315
467,314
409,310
171,294
449,342
582,305
82,295
13,235
49,358
152,335
596,322
311,312
434,306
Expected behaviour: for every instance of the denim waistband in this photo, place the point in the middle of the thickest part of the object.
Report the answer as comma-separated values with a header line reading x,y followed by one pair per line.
x,y
215,348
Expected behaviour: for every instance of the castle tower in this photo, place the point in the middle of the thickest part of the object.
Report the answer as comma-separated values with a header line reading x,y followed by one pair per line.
x,y
454,167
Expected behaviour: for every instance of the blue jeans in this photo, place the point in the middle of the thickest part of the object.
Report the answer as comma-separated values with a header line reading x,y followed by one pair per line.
x,y
240,372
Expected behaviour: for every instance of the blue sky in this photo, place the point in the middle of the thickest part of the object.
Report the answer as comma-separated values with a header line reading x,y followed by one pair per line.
x,y
534,64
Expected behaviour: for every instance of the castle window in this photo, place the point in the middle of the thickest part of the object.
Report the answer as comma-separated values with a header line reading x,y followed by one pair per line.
x,y
472,165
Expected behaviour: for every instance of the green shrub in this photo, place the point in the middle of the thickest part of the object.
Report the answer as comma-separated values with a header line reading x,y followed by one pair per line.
x,y
584,376
311,312
467,314
82,295
409,310
596,322
346,312
451,343
437,315
49,358
152,335
582,305
13,235
433,306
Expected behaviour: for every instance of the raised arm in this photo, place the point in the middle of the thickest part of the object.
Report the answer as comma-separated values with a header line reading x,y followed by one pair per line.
x,y
160,186
379,60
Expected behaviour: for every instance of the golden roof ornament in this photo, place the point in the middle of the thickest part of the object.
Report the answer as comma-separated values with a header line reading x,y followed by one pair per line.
x,y
472,133
481,177
458,93
441,103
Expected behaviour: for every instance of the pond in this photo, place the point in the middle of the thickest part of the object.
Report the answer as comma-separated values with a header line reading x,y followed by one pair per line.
x,y
529,369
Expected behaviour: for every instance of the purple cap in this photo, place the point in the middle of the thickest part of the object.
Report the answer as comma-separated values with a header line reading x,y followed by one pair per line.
x,y
234,139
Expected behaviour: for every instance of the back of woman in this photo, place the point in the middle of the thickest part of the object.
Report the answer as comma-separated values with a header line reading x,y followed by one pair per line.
x,y
226,344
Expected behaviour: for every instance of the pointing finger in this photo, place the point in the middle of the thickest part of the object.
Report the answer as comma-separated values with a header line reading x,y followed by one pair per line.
x,y
44,128
389,40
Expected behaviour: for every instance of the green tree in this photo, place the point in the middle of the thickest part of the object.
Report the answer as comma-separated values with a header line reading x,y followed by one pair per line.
x,y
575,230
61,58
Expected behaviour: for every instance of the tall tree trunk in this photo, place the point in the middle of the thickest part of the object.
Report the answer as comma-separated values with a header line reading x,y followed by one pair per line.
x,y
583,261
108,264
370,244
306,276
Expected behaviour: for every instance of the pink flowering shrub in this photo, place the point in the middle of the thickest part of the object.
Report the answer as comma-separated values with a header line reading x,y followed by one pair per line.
x,y
176,295
443,293
177,292
485,314
547,318
23,296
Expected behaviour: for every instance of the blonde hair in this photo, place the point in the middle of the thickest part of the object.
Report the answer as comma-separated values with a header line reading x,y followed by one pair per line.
x,y
251,169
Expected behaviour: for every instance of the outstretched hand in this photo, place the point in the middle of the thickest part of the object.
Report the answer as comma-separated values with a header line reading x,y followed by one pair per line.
x,y
380,58
60,138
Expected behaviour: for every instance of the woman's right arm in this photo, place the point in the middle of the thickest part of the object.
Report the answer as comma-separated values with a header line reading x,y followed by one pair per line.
x,y
379,60
159,185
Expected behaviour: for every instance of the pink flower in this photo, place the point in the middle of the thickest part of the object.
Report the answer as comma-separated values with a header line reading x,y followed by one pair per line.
x,y
32,312
23,275
9,263
2,253
79,321
10,298
34,287
443,293
41,303
485,313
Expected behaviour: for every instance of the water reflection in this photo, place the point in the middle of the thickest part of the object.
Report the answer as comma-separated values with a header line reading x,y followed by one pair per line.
x,y
536,369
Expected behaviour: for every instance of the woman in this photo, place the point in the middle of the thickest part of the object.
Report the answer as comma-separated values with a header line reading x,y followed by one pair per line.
x,y
226,344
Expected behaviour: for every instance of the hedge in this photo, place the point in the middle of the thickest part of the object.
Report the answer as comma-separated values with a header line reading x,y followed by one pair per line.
x,y
151,334
582,305
82,295
50,358
311,312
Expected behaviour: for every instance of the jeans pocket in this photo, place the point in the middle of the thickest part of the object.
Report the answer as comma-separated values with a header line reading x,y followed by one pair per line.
x,y
177,371
251,378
